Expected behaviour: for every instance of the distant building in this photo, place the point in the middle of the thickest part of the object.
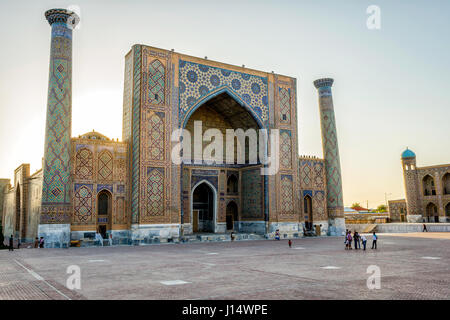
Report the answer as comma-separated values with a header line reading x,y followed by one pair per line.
x,y
427,191
397,210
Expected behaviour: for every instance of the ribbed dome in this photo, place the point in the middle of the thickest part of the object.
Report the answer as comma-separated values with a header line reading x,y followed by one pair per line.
x,y
408,154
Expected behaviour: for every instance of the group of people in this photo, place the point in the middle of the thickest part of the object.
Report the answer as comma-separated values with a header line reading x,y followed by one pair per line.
x,y
357,239
38,243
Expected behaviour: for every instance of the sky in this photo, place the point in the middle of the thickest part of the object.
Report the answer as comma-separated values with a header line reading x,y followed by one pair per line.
x,y
391,88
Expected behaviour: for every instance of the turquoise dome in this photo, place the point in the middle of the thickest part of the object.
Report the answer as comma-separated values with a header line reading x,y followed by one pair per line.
x,y
408,154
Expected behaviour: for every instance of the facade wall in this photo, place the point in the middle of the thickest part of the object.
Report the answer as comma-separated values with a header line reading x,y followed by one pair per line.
x,y
313,184
99,164
427,191
397,210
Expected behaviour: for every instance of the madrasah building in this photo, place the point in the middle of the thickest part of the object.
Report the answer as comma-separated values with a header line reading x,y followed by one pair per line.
x,y
133,192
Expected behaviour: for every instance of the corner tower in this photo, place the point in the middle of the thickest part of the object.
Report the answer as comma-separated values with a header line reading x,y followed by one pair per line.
x,y
335,204
56,197
413,213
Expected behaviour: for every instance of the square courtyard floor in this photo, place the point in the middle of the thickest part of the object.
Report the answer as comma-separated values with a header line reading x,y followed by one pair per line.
x,y
412,266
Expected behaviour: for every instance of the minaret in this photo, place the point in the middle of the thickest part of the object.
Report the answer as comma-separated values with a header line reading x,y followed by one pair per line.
x,y
413,213
54,223
330,148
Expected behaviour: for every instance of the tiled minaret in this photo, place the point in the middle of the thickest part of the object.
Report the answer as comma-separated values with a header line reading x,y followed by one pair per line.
x,y
56,197
330,148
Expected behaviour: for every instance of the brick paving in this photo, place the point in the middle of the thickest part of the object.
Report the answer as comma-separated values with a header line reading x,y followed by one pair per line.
x,y
233,270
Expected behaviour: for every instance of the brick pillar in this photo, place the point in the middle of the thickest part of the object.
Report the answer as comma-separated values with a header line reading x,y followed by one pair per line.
x,y
56,196
335,204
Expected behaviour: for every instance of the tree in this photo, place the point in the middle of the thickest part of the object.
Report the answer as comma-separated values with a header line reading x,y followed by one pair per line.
x,y
355,205
381,208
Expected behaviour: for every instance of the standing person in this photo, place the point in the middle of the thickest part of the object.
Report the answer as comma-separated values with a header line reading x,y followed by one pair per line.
x,y
364,241
374,240
36,242
349,240
355,237
290,243
110,239
359,240
424,228
346,240
277,235
41,242
18,243
11,243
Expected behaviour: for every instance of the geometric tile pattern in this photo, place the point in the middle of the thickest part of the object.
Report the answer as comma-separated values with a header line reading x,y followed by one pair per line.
x,y
330,147
156,82
285,149
105,165
155,125
82,204
84,164
252,194
285,105
286,195
196,81
154,197
136,112
56,168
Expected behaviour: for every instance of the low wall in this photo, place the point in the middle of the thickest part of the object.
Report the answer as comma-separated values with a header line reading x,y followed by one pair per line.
x,y
401,227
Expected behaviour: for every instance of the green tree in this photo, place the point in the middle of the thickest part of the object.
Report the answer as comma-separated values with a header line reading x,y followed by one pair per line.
x,y
355,205
381,208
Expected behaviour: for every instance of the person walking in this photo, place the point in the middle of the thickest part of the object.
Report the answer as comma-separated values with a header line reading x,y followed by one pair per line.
x,y
41,242
290,243
374,240
424,228
36,242
277,235
11,243
364,241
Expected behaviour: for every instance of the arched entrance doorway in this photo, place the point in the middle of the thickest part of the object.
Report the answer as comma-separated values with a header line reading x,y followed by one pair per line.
x,y
203,207
104,210
232,215
219,113
432,213
308,212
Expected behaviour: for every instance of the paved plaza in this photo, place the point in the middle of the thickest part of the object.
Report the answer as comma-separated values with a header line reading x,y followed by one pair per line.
x,y
412,267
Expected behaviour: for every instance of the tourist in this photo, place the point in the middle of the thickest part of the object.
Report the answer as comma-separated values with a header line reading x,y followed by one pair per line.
x,y
41,242
18,243
36,242
232,236
346,239
424,228
349,240
290,243
374,240
110,239
356,239
11,242
277,234
364,241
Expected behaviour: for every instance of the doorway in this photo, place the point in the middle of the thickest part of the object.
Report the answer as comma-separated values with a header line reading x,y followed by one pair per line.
x,y
232,215
203,208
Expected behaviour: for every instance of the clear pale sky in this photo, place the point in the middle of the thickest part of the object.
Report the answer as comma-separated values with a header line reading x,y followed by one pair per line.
x,y
391,89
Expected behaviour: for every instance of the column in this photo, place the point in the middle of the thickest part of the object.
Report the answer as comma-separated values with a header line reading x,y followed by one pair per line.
x,y
335,205
54,223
